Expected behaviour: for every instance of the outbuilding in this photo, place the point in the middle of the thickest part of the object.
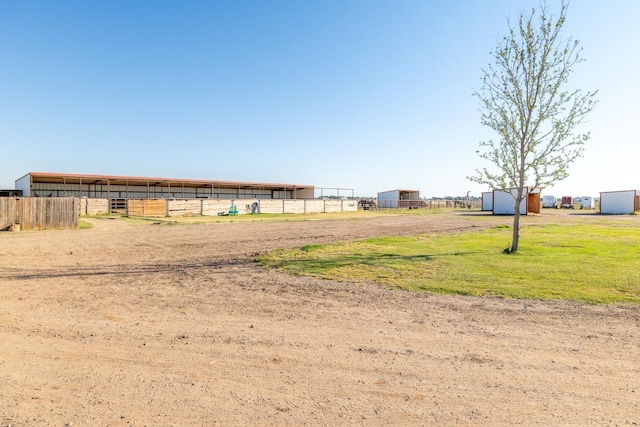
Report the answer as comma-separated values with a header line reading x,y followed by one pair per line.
x,y
46,184
394,199
487,201
619,202
504,201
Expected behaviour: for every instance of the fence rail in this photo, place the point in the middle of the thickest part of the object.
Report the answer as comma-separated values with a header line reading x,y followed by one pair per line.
x,y
37,213
369,204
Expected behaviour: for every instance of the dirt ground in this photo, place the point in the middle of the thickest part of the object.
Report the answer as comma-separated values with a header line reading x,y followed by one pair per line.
x,y
162,325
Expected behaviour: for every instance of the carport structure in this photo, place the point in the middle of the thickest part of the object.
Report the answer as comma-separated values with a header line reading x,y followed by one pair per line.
x,y
394,199
44,184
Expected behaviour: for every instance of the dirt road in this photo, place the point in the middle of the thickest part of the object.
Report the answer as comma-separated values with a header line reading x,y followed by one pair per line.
x,y
161,324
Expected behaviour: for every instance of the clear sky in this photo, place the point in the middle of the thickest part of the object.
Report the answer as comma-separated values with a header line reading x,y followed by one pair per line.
x,y
372,95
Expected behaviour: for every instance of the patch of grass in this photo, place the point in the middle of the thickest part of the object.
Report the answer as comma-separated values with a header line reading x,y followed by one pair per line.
x,y
84,225
595,262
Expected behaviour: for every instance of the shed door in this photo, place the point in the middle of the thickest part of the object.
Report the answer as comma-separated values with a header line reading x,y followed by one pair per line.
x,y
533,202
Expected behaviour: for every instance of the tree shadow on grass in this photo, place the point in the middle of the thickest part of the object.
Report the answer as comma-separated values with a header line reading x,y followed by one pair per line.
x,y
354,260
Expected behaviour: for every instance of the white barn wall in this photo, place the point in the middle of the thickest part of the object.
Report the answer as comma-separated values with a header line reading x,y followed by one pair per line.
x,y
504,202
487,201
388,199
24,184
618,202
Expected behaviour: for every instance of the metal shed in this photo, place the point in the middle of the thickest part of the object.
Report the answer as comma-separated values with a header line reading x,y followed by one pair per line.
x,y
487,201
504,201
399,199
619,202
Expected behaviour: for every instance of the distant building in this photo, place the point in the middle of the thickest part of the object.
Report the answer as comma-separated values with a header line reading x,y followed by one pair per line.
x,y
620,202
504,201
399,199
487,201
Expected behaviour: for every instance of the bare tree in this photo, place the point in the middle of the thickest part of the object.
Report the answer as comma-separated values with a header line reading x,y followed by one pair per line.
x,y
524,100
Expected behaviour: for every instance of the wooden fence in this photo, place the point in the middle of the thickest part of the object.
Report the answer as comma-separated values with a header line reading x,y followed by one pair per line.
x,y
368,204
206,207
37,213
147,207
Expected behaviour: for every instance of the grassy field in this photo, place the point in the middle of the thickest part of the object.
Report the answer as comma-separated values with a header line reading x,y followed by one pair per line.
x,y
595,262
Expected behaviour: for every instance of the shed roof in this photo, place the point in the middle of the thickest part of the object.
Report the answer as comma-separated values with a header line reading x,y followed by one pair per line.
x,y
54,177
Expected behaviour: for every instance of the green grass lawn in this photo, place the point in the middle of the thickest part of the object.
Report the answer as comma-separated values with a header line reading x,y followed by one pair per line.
x,y
596,262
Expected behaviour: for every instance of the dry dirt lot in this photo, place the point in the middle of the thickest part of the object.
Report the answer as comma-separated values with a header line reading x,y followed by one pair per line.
x,y
155,324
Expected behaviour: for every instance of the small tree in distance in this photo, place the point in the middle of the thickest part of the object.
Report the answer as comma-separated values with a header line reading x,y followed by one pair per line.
x,y
523,100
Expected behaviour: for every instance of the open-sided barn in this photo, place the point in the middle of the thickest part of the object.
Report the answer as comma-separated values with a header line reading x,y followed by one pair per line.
x,y
144,196
399,199
43,184
620,202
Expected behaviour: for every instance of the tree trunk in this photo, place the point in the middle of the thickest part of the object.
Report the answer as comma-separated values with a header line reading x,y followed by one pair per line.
x,y
516,229
516,221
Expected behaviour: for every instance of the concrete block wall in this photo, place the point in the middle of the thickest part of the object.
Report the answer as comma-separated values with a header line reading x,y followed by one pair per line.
x,y
349,206
333,205
272,206
211,207
294,206
314,206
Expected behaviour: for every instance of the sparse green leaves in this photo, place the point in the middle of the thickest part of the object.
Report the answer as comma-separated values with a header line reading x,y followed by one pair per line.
x,y
523,101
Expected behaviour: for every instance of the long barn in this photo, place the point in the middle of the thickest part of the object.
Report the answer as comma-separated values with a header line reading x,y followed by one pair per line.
x,y
148,196
44,184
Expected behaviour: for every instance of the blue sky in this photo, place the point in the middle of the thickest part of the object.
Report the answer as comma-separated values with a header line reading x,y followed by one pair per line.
x,y
365,94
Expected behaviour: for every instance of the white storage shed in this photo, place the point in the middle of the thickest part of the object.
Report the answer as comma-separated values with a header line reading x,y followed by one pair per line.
x,y
620,202
504,201
487,201
399,199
